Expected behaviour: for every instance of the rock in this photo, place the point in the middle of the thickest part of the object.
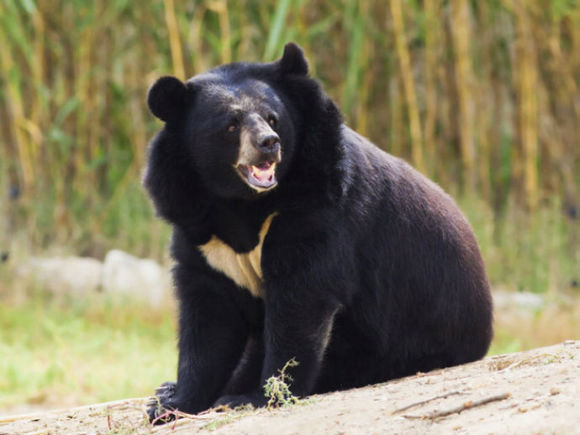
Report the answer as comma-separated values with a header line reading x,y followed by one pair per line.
x,y
64,275
125,274
120,274
519,300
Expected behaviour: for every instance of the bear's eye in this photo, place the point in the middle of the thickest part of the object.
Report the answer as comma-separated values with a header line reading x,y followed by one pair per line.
x,y
272,120
233,124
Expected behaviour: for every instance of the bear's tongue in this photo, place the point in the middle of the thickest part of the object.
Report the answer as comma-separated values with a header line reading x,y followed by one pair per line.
x,y
262,175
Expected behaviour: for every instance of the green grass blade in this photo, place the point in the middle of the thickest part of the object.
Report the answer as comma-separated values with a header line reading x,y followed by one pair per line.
x,y
279,21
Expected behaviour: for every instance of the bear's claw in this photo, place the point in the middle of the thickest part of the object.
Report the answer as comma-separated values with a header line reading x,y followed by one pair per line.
x,y
159,406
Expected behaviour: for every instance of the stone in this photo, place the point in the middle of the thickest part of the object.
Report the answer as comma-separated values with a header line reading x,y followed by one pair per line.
x,y
76,275
124,274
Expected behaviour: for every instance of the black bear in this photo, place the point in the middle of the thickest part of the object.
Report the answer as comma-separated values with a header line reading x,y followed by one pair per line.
x,y
295,237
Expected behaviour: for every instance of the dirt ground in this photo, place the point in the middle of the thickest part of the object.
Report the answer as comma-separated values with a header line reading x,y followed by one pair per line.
x,y
532,392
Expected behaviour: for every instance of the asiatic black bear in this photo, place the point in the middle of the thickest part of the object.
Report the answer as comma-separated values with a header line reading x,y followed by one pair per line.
x,y
295,237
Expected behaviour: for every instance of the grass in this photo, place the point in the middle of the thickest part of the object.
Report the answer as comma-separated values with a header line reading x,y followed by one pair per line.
x,y
526,252
519,329
60,352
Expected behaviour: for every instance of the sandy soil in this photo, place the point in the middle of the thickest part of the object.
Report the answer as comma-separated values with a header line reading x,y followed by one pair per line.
x,y
533,392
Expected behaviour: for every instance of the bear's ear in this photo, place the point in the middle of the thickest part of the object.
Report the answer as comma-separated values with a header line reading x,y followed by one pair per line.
x,y
293,60
166,98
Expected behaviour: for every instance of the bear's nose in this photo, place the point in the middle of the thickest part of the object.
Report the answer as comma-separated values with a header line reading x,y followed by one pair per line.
x,y
270,143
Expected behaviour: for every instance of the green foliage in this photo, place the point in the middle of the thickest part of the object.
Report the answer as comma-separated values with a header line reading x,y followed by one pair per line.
x,y
73,79
525,252
274,41
73,351
504,342
277,388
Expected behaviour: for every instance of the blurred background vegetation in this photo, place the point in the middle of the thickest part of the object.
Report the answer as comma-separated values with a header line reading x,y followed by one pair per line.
x,y
480,96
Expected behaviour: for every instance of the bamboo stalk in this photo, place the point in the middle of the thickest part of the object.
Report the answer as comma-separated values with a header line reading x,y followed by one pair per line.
x,y
498,104
565,129
354,27
37,114
221,9
408,84
396,122
367,53
484,98
445,140
174,39
528,104
15,106
432,9
276,28
461,37
195,39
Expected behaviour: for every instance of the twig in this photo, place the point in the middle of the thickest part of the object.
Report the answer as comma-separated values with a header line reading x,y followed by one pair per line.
x,y
467,405
422,402
176,415
57,412
533,359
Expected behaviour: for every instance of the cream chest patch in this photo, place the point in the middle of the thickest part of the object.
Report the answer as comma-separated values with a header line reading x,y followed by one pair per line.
x,y
244,269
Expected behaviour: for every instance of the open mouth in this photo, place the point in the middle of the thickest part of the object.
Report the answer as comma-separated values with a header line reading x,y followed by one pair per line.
x,y
259,177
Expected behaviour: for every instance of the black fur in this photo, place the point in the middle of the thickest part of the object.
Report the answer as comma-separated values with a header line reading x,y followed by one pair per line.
x,y
166,99
370,271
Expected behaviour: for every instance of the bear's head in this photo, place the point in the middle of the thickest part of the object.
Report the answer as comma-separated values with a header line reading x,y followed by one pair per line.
x,y
235,125
257,132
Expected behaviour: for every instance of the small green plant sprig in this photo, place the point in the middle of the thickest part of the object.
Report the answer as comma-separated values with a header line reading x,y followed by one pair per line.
x,y
277,388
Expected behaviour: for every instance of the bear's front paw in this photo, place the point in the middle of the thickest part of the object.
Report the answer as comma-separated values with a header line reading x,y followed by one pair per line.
x,y
257,400
159,407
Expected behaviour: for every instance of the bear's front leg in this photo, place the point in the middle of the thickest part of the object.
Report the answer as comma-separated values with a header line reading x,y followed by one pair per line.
x,y
303,293
212,336
294,330
305,287
300,330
